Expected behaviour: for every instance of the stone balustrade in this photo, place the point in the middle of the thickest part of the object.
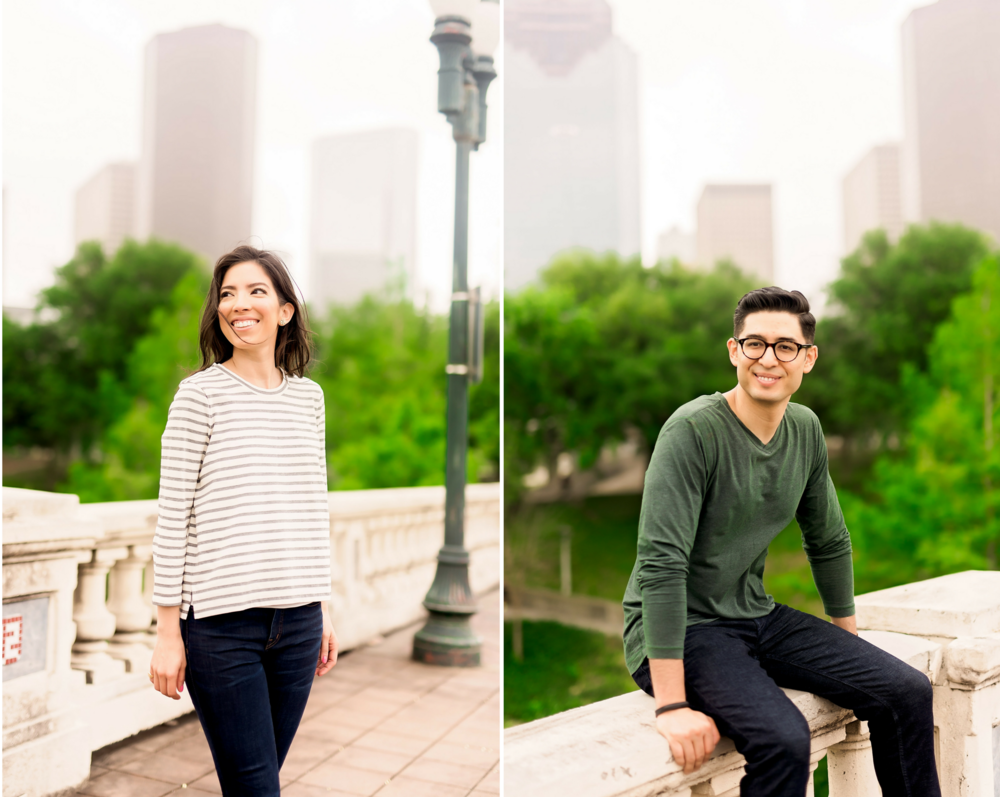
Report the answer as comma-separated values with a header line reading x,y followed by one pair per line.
x,y
948,628
79,624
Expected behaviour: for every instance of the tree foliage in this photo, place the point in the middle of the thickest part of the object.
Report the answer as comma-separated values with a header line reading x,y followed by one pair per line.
x,y
604,345
103,376
66,382
939,499
886,303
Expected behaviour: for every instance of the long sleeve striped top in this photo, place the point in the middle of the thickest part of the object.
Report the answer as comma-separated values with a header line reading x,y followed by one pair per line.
x,y
244,519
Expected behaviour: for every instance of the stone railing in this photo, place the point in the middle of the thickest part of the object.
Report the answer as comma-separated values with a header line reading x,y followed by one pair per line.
x,y
948,628
79,624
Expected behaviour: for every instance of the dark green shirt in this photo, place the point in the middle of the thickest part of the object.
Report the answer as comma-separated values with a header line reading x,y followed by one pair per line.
x,y
714,498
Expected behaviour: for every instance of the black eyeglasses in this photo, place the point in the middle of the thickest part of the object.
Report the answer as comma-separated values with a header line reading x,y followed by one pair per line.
x,y
785,350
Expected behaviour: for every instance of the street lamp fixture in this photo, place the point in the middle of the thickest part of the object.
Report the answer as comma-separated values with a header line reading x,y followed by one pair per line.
x,y
463,78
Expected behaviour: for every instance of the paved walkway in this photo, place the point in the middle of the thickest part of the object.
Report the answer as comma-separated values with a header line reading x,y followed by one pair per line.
x,y
378,723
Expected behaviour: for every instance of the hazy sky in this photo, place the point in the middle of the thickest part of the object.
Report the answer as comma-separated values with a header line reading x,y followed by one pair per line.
x,y
791,92
72,100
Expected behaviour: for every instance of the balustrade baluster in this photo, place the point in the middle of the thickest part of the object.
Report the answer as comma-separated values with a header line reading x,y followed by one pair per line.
x,y
850,765
94,623
132,612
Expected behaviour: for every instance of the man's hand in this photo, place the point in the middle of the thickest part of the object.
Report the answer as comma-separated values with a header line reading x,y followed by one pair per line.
x,y
847,623
692,736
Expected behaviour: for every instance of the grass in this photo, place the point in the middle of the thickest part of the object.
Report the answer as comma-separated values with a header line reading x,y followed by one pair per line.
x,y
603,551
563,668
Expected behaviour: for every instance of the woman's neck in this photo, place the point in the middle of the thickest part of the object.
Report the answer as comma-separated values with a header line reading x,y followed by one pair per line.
x,y
257,368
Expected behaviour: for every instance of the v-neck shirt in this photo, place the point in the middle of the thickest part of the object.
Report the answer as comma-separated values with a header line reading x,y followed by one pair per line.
x,y
714,498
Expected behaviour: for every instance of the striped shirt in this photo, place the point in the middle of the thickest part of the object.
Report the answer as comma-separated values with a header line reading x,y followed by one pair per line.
x,y
244,518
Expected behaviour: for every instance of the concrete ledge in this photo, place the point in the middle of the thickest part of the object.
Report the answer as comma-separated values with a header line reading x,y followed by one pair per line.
x,y
612,748
961,604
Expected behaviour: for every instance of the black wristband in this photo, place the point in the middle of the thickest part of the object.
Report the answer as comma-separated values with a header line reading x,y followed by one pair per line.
x,y
671,707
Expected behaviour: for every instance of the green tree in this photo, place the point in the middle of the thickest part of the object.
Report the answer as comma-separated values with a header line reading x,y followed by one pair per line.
x,y
66,382
886,305
382,369
127,462
604,345
938,501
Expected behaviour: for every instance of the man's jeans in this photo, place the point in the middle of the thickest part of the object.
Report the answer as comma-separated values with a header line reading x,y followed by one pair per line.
x,y
732,671
249,674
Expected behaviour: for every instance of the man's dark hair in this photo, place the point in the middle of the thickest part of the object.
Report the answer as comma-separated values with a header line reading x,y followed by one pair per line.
x,y
293,348
775,300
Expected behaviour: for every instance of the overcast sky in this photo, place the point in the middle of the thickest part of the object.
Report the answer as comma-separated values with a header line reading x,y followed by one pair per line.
x,y
790,92
72,100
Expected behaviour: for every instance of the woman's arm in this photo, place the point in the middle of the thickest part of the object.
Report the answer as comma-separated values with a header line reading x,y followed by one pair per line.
x,y
169,661
328,647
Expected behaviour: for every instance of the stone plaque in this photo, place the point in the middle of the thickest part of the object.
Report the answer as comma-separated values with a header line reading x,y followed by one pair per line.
x,y
25,636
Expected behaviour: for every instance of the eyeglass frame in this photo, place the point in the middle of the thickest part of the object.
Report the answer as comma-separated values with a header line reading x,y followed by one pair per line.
x,y
771,346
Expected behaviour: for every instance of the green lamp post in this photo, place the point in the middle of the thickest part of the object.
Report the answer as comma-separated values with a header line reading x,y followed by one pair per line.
x,y
465,74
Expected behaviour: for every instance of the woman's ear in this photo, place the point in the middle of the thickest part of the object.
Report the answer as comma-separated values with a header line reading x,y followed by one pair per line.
x,y
286,313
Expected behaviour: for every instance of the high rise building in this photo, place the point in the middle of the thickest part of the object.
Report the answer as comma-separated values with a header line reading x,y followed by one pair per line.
x,y
735,223
104,207
675,244
571,137
871,195
199,113
951,101
363,208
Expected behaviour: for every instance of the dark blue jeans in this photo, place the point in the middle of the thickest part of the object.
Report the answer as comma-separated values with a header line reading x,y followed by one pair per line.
x,y
733,670
249,674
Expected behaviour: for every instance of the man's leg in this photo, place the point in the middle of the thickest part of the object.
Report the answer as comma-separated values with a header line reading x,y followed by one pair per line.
x,y
724,680
801,651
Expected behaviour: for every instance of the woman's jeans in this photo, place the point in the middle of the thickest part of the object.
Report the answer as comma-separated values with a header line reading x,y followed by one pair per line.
x,y
733,670
249,674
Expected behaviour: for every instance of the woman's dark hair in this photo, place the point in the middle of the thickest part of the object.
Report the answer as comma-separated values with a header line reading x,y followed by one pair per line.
x,y
293,348
775,300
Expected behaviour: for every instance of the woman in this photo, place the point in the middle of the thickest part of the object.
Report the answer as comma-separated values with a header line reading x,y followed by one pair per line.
x,y
241,554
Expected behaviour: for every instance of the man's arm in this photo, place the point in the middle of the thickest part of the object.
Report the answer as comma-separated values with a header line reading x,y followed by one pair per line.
x,y
825,538
692,736
847,623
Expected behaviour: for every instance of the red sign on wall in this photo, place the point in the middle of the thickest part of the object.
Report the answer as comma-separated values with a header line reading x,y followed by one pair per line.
x,y
12,630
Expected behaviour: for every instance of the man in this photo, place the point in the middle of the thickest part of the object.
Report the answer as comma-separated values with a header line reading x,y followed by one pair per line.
x,y
728,473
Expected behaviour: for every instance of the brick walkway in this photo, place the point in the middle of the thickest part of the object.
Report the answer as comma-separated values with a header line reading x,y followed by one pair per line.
x,y
378,723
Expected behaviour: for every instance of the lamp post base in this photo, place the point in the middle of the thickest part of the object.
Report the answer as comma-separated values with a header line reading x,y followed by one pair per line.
x,y
447,640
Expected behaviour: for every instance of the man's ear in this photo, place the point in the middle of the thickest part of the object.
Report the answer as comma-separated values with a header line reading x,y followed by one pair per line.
x,y
812,353
734,351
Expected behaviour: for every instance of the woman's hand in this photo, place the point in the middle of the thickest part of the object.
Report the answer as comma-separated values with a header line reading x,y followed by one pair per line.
x,y
169,660
328,647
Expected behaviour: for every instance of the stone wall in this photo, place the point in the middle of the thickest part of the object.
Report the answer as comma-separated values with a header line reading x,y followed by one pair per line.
x,y
79,625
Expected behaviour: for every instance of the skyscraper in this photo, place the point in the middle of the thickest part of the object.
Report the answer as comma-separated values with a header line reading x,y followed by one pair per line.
x,y
735,223
951,103
571,138
199,107
871,196
363,208
104,207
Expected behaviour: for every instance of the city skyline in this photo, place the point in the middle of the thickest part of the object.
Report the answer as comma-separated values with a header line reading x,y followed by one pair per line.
x,y
77,106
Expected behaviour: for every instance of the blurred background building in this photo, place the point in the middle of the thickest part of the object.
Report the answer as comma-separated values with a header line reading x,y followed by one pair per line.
x,y
951,144
871,195
735,223
363,214
571,146
675,244
104,207
196,172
